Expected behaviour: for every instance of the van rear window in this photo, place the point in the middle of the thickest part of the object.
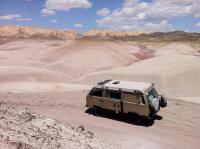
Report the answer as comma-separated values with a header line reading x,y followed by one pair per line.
x,y
113,94
96,92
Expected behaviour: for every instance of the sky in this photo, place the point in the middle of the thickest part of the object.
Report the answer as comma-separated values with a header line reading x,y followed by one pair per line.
x,y
117,15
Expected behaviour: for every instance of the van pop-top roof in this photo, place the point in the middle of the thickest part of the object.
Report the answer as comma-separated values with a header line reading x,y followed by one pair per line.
x,y
127,86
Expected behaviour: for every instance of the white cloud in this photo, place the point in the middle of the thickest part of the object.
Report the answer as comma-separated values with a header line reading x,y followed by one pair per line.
x,y
196,9
28,0
103,12
23,19
135,14
63,5
148,26
54,21
15,17
198,24
47,12
67,4
10,17
78,25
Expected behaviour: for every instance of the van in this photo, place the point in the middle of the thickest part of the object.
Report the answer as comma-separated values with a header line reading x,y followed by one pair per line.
x,y
138,98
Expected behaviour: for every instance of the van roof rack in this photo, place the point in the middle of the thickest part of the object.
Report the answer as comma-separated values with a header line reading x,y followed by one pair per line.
x,y
104,82
127,86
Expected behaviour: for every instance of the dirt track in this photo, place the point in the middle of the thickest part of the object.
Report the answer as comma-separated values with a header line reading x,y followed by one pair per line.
x,y
176,126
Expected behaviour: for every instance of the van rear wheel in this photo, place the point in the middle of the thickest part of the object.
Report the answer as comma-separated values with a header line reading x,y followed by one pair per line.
x,y
97,111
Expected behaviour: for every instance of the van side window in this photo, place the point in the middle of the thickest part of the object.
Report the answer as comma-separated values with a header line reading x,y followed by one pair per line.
x,y
113,94
96,92
142,99
131,98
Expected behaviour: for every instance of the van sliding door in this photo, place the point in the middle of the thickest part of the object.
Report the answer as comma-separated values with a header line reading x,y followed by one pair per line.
x,y
134,104
113,100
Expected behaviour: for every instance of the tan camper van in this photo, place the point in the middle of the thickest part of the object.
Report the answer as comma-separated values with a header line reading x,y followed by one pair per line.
x,y
138,98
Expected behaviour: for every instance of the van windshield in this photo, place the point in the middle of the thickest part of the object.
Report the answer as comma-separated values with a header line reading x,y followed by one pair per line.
x,y
152,94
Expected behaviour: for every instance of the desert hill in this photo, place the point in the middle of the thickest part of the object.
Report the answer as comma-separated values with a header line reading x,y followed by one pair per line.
x,y
58,61
174,68
26,32
175,76
109,33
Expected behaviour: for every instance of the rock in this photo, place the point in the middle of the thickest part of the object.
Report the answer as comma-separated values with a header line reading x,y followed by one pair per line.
x,y
24,129
80,128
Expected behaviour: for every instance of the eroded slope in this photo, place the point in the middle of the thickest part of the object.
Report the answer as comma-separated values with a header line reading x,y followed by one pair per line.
x,y
22,128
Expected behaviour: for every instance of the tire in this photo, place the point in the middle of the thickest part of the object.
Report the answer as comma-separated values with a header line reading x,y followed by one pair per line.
x,y
96,111
155,105
163,102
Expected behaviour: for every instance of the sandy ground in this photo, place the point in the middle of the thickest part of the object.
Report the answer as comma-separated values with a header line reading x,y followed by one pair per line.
x,y
53,77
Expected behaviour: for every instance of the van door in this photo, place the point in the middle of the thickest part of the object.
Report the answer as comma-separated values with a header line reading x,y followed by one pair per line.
x,y
134,104
112,100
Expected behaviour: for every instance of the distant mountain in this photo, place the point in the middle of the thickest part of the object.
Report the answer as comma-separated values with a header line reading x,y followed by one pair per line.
x,y
98,34
170,36
10,32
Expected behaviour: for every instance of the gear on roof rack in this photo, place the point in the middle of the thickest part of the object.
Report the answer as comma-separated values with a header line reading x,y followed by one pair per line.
x,y
104,82
116,82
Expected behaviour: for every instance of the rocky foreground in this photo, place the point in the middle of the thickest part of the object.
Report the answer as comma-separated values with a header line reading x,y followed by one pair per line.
x,y
22,128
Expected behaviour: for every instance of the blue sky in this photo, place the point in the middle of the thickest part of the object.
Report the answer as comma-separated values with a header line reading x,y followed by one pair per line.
x,y
119,15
